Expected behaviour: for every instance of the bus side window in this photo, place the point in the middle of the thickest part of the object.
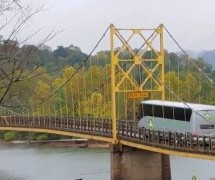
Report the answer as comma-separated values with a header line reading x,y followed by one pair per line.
x,y
168,112
182,114
188,113
158,111
147,109
179,113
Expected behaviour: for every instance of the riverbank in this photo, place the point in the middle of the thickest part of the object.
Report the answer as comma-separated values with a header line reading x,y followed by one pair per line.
x,y
73,143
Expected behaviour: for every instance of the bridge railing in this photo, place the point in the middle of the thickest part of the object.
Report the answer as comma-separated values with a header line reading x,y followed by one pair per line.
x,y
90,125
170,140
126,130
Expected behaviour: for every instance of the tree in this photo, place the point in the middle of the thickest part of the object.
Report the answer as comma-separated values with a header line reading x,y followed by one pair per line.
x,y
95,106
61,52
191,88
42,91
173,85
15,58
71,55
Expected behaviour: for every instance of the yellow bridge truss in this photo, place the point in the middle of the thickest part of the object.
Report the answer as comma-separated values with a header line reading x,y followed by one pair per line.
x,y
127,60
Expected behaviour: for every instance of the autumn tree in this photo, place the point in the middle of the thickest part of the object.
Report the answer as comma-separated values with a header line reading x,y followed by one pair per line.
x,y
14,56
173,86
42,100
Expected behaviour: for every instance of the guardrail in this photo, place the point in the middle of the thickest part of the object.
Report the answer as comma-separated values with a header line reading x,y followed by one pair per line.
x,y
84,125
168,140
126,130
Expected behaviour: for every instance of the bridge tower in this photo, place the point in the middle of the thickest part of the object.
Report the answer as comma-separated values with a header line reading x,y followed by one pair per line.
x,y
136,71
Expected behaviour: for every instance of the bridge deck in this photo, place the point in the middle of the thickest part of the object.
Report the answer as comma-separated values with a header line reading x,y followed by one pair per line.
x,y
183,144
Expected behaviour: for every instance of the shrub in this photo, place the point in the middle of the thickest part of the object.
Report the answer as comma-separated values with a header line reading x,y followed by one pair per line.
x,y
42,137
10,135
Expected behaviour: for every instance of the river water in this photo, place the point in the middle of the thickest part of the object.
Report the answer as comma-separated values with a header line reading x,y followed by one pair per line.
x,y
22,162
53,163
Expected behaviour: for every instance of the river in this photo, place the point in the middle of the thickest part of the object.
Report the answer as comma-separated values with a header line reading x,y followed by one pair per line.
x,y
23,162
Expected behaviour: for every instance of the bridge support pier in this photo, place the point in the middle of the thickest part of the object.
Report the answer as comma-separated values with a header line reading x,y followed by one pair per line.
x,y
129,163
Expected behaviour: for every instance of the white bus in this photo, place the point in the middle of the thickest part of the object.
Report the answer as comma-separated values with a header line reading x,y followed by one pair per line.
x,y
197,119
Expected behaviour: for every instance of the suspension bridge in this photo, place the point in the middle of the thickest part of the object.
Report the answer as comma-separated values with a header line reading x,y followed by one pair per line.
x,y
99,99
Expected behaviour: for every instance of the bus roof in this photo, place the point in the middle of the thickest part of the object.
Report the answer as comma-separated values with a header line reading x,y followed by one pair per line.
x,y
195,107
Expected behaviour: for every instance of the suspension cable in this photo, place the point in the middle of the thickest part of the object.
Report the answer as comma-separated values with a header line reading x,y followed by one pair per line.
x,y
102,85
77,70
88,57
207,77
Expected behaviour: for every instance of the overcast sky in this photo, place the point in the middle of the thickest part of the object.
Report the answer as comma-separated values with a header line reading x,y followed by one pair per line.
x,y
192,22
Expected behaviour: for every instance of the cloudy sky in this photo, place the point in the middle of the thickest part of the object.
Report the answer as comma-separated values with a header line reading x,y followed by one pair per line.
x,y
192,22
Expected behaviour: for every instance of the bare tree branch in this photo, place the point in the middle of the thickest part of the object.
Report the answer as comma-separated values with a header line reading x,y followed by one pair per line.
x,y
14,59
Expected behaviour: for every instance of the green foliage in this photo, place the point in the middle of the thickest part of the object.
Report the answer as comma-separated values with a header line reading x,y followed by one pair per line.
x,y
76,97
31,136
2,134
61,52
95,106
98,104
42,137
71,55
10,135
182,82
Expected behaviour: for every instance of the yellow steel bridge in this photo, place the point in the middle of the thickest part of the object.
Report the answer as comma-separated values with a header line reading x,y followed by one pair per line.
x,y
100,102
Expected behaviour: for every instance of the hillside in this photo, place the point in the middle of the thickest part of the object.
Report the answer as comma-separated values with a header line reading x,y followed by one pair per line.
x,y
208,56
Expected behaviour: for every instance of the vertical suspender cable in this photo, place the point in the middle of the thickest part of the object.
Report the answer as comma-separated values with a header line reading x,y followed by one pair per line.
x,y
169,78
66,105
178,75
200,84
188,82
60,105
85,94
79,68
50,117
72,99
151,67
91,83
44,115
79,103
99,89
104,79
211,93
72,91
55,116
